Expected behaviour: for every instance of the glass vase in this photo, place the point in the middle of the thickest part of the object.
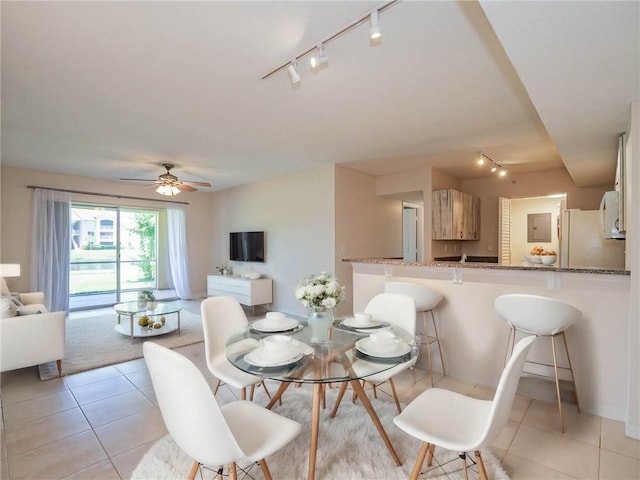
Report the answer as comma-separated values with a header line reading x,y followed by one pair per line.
x,y
320,324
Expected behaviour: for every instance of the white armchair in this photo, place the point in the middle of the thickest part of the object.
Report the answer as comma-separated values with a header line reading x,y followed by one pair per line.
x,y
28,339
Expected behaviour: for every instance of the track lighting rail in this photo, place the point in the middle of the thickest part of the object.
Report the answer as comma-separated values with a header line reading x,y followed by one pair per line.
x,y
355,23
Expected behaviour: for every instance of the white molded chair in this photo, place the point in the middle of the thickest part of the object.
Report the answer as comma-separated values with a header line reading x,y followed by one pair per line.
x,y
221,317
461,423
426,300
544,317
212,435
399,310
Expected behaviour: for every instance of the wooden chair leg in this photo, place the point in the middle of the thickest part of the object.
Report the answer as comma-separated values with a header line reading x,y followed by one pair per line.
x,y
59,365
233,474
481,469
243,393
252,391
265,469
419,461
215,391
194,470
395,395
432,449
463,457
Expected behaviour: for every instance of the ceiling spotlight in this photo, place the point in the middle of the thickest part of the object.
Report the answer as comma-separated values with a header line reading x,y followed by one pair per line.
x,y
502,173
319,58
374,30
293,73
481,161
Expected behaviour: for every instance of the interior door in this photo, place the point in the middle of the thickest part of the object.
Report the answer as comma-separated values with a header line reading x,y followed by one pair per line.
x,y
409,233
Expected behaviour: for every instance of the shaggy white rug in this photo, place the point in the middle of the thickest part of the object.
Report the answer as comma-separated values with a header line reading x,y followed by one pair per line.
x,y
91,341
349,448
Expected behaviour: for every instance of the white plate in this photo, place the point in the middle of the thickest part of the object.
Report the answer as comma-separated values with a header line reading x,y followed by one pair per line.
x,y
268,325
366,346
353,323
261,358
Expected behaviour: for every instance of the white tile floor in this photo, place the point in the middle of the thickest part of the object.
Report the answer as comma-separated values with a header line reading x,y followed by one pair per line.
x,y
98,424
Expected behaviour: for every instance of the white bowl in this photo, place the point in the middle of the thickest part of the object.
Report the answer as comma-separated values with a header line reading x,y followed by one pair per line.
x,y
253,275
277,342
362,318
534,258
385,341
548,259
275,316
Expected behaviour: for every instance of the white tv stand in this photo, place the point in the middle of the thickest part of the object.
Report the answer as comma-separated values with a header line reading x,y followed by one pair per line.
x,y
248,292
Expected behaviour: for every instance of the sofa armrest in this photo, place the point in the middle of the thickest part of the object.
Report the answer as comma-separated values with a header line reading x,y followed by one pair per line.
x,y
29,340
32,297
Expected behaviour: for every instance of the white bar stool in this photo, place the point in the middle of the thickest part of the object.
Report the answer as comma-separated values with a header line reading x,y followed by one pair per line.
x,y
426,300
543,317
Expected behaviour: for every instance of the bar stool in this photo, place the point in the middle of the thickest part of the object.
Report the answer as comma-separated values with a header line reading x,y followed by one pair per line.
x,y
426,300
543,317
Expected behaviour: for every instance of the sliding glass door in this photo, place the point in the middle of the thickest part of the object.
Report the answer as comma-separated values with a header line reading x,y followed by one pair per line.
x,y
113,254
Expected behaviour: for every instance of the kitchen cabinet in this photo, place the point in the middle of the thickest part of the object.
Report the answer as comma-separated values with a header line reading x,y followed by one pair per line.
x,y
456,215
248,292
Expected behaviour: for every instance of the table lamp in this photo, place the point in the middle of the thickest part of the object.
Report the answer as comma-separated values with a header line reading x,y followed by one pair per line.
x,y
9,269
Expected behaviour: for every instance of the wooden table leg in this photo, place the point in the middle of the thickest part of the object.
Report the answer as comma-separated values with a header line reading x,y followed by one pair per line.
x,y
315,427
276,396
355,384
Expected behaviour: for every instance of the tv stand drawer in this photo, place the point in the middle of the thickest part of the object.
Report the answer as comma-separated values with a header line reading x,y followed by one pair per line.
x,y
248,292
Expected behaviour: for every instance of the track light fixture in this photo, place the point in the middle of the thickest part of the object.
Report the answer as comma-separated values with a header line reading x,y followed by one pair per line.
x,y
374,30
293,73
495,167
319,58
373,17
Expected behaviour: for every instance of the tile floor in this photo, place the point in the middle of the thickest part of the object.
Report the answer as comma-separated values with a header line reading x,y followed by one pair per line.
x,y
98,424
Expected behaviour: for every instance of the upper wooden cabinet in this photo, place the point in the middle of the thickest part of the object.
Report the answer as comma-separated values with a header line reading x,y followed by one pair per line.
x,y
456,215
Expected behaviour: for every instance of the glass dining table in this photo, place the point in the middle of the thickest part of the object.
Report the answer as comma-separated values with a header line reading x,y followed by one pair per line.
x,y
338,358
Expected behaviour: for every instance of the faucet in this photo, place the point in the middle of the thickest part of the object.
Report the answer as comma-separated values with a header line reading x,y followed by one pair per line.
x,y
464,258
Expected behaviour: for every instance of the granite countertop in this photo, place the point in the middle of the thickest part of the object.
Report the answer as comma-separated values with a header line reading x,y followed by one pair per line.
x,y
485,266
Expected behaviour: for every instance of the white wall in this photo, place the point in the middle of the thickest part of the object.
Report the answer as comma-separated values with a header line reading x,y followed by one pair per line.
x,y
297,214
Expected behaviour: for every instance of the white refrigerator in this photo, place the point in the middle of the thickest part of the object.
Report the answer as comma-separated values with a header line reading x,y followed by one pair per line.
x,y
582,243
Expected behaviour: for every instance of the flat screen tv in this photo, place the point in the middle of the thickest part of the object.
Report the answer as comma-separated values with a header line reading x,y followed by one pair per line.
x,y
246,246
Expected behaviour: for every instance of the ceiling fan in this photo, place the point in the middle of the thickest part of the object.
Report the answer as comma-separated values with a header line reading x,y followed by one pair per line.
x,y
168,184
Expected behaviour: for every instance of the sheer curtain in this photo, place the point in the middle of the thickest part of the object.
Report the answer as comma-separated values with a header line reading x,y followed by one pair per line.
x,y
51,247
177,240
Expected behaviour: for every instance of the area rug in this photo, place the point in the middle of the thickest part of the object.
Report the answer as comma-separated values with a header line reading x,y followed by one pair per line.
x,y
349,448
92,341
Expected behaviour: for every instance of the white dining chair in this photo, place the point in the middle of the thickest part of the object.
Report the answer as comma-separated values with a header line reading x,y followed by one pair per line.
x,y
426,300
544,317
460,423
221,317
212,435
398,310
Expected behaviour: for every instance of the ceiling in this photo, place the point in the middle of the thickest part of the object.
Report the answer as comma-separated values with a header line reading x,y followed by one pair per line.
x,y
115,89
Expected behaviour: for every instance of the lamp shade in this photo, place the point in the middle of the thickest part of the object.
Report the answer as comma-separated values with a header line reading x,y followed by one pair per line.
x,y
9,269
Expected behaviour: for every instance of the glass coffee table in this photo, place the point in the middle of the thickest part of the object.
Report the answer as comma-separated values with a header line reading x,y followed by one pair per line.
x,y
161,311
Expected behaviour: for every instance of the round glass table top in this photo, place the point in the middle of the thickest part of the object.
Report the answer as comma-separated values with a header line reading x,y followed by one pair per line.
x,y
296,355
132,308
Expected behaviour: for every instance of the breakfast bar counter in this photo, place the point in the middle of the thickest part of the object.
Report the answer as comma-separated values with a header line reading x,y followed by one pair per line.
x,y
474,337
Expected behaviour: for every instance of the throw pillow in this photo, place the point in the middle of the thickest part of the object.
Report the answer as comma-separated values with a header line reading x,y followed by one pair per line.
x,y
7,308
11,298
28,311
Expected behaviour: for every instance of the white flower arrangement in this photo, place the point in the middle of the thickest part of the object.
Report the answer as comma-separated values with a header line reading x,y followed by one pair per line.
x,y
320,293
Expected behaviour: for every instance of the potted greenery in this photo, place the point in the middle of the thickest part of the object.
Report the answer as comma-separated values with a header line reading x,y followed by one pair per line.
x,y
147,299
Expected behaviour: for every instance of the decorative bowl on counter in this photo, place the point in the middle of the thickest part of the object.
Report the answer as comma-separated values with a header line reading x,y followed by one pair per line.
x,y
534,258
548,259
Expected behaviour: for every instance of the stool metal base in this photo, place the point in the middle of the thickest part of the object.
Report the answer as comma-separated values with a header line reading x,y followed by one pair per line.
x,y
432,339
510,345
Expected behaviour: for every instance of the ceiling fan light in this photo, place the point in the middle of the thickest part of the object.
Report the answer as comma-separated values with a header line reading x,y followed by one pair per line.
x,y
168,190
374,30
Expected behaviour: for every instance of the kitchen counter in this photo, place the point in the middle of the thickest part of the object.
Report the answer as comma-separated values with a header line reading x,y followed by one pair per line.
x,y
482,265
474,337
